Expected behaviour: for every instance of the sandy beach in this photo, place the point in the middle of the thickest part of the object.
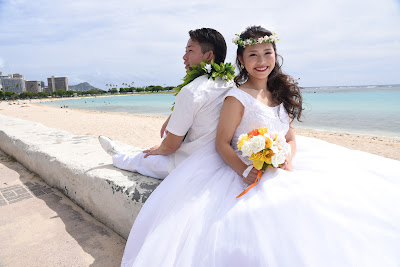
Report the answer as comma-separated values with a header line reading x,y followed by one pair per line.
x,y
143,131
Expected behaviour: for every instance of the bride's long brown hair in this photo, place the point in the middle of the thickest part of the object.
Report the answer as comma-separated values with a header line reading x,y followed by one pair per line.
x,y
283,87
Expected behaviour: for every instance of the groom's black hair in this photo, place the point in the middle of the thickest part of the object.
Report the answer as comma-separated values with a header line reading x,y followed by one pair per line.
x,y
210,39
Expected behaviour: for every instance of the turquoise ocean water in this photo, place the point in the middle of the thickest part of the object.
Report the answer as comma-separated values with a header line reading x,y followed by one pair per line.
x,y
371,110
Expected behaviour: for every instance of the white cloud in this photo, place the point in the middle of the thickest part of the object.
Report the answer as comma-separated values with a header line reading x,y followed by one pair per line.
x,y
100,42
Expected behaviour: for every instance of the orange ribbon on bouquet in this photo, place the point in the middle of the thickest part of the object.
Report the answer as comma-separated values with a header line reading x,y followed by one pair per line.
x,y
253,184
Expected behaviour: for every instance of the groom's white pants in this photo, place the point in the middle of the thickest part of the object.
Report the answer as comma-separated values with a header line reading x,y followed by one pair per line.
x,y
155,166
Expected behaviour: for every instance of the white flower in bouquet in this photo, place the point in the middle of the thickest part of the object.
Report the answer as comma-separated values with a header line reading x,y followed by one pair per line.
x,y
279,143
257,143
275,148
278,158
242,136
280,139
246,149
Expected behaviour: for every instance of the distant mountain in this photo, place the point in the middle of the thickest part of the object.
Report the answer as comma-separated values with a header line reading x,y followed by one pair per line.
x,y
81,87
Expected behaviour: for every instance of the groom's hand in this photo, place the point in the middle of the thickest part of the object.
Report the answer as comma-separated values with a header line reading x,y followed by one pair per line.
x,y
169,145
163,130
151,151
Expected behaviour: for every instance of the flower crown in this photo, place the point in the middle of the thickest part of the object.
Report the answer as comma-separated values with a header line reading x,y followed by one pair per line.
x,y
251,41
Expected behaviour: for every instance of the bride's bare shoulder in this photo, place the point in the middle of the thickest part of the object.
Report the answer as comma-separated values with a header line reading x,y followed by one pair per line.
x,y
248,90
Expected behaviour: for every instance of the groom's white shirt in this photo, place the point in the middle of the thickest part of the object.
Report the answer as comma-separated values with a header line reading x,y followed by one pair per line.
x,y
196,113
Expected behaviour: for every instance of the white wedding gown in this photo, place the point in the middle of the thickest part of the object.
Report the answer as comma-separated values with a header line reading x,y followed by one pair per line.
x,y
339,207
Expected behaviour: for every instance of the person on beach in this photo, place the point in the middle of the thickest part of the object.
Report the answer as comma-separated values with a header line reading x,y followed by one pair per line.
x,y
328,206
193,123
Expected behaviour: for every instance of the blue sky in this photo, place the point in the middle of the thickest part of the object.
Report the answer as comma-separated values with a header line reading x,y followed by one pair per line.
x,y
353,42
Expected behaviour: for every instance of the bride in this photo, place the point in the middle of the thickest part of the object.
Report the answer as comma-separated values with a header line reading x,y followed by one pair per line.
x,y
328,206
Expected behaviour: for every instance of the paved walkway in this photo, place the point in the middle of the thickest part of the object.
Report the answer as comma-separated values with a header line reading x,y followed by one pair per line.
x,y
39,226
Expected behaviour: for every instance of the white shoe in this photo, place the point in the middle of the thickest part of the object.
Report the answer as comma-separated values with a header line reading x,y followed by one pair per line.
x,y
108,145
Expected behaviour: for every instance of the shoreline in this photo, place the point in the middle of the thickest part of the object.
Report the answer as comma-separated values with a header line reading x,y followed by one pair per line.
x,y
381,134
388,147
143,130
346,132
105,112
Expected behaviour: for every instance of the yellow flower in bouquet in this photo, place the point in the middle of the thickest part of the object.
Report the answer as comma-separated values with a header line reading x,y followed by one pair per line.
x,y
264,149
263,159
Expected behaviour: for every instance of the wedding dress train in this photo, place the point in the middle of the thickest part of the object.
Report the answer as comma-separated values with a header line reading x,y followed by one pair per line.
x,y
339,207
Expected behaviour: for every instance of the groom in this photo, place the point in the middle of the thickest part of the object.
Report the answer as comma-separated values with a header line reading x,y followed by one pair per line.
x,y
193,122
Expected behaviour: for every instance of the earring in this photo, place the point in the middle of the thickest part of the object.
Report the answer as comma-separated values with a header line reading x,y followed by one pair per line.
x,y
242,66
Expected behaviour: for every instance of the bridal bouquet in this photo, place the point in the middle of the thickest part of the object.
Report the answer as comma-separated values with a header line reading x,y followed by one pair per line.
x,y
264,149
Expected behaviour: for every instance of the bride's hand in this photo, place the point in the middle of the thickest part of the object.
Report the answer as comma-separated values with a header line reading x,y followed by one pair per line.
x,y
251,177
287,165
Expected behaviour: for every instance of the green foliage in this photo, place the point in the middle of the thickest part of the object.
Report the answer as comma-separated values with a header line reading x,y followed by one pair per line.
x,y
95,91
169,88
43,94
157,88
149,88
222,71
213,70
251,41
10,94
113,90
70,93
24,95
63,93
60,92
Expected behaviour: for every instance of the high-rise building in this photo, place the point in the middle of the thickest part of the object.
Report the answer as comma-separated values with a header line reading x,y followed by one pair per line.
x,y
56,83
16,85
17,75
1,77
33,86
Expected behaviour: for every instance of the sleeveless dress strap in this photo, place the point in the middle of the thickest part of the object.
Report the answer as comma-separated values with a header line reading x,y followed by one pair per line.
x,y
243,97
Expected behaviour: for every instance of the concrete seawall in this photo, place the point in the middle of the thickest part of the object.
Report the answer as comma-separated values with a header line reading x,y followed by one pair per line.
x,y
79,167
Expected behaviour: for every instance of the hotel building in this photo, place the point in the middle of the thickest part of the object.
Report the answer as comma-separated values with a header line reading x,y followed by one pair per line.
x,y
33,86
16,85
56,83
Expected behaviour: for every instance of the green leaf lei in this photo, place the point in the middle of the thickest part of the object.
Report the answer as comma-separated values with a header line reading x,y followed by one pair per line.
x,y
224,71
